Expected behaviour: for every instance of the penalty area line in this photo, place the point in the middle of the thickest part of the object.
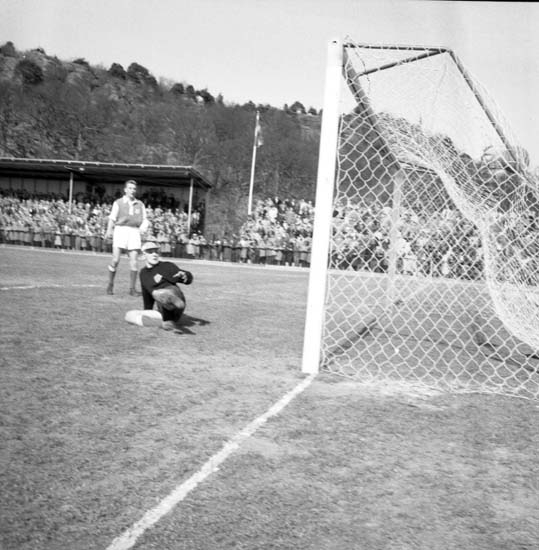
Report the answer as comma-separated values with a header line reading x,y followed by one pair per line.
x,y
129,537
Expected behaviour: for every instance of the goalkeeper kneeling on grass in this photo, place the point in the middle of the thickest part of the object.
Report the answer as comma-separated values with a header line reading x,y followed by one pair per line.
x,y
159,283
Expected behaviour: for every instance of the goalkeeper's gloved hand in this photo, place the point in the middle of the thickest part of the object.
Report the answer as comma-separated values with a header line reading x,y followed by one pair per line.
x,y
185,277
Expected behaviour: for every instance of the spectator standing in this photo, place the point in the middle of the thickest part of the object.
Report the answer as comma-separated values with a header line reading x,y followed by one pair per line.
x,y
190,247
58,239
270,248
227,248
244,249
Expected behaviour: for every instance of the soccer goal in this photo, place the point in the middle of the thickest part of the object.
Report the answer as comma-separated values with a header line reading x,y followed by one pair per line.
x,y
425,260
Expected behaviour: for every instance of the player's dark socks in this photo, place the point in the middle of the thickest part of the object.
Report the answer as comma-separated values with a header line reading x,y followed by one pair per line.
x,y
112,274
132,283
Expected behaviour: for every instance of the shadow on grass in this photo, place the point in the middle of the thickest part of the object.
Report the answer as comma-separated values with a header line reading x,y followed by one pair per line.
x,y
186,322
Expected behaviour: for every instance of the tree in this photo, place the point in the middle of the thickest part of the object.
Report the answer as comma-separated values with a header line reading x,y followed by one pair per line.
x,y
177,89
117,71
188,132
30,72
82,61
190,91
206,96
8,50
297,108
56,70
14,137
140,74
229,153
249,106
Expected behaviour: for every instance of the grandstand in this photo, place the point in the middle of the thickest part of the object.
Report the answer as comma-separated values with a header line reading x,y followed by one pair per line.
x,y
180,187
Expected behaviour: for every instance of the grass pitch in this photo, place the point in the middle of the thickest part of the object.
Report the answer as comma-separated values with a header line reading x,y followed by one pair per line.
x,y
101,420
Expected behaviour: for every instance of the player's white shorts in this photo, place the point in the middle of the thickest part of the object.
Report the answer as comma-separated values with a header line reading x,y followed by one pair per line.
x,y
125,237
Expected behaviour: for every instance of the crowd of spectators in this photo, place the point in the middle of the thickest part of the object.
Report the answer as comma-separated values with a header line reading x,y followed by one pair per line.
x,y
52,222
440,243
279,232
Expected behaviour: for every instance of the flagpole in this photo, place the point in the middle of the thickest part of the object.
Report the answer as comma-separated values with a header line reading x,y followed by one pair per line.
x,y
253,162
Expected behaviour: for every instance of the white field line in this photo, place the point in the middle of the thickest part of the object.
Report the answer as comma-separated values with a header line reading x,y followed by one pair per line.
x,y
33,287
129,537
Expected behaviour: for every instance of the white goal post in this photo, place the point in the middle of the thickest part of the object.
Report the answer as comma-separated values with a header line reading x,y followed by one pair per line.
x,y
324,200
425,256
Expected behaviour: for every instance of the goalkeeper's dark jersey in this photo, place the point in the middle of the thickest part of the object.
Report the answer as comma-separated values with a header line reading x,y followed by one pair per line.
x,y
161,275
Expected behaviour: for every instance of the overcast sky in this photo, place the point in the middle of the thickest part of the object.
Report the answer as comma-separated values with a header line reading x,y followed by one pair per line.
x,y
274,51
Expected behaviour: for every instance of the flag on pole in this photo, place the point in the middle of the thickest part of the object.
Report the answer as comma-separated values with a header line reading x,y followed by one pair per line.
x,y
259,139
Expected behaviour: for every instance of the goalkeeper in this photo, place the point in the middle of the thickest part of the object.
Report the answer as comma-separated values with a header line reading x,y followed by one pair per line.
x,y
160,288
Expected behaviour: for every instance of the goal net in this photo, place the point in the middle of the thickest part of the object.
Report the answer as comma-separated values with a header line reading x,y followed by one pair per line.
x,y
429,255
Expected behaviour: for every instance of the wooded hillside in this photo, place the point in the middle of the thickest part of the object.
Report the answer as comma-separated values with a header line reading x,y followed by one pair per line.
x,y
57,109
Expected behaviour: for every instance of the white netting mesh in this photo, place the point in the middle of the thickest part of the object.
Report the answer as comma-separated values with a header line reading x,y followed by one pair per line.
x,y
434,245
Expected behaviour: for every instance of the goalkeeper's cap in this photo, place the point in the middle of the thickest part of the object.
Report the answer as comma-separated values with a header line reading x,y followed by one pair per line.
x,y
150,245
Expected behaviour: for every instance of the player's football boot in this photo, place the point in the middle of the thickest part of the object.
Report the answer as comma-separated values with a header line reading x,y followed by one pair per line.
x,y
169,325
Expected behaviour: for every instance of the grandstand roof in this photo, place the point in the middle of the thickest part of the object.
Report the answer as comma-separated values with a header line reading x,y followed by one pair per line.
x,y
106,172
